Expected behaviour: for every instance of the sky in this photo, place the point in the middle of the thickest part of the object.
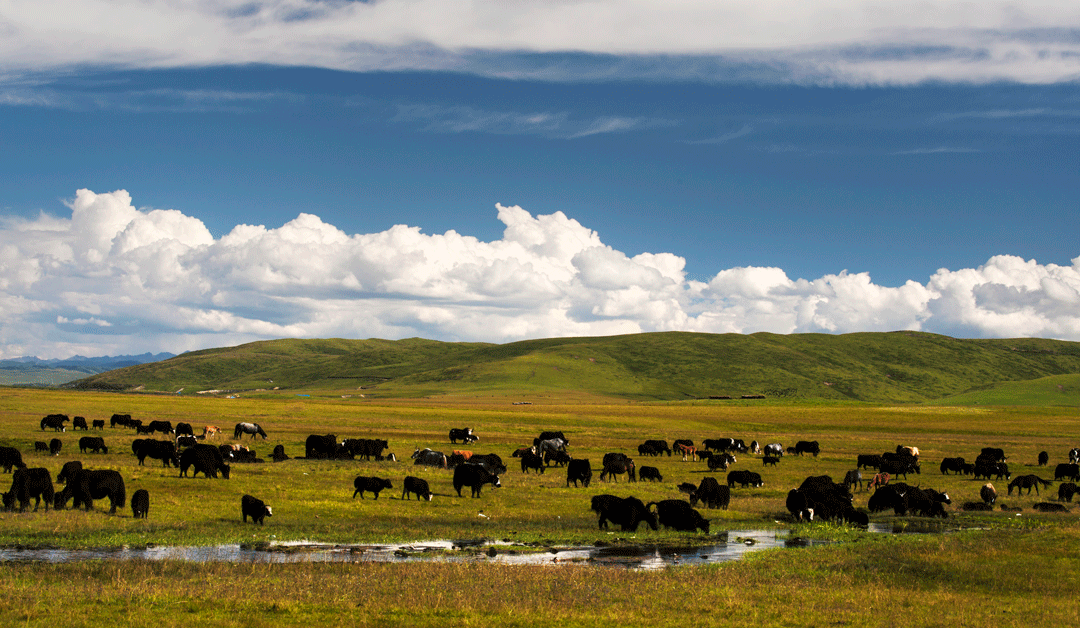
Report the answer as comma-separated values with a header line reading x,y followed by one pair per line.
x,y
183,175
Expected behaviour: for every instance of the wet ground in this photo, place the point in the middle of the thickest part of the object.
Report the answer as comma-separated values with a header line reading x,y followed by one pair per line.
x,y
731,545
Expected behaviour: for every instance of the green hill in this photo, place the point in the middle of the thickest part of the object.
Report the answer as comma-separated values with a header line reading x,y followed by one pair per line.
x,y
880,367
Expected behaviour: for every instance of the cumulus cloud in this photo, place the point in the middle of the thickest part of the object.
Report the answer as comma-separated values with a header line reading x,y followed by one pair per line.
x,y
114,278
830,41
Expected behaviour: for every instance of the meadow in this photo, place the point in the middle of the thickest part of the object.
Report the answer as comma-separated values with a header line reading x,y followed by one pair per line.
x,y
1003,567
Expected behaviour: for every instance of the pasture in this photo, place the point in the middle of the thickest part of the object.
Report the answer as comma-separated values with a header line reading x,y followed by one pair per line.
x,y
995,566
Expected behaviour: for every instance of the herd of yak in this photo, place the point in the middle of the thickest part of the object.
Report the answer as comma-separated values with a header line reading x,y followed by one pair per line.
x,y
817,497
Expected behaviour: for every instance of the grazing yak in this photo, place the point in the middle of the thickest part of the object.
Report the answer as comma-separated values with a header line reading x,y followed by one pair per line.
x,y
415,486
721,460
492,462
807,447
79,423
184,429
896,468
532,461
627,513
27,484
1044,458
123,420
140,504
711,493
205,459
928,502
988,494
430,458
773,449
1067,471
163,450
656,447
616,467
254,508
320,446
68,471
369,484
984,469
744,479
679,515
558,458
818,496
165,427
475,477
93,444
1066,491
952,464
550,446
90,484
799,506
40,445
55,421
55,445
551,435
650,473
890,496
98,424
464,434
579,469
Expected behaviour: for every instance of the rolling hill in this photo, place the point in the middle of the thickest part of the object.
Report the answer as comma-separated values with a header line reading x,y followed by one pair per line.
x,y
894,367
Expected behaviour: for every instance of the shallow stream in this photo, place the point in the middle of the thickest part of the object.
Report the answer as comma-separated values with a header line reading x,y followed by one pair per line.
x,y
731,545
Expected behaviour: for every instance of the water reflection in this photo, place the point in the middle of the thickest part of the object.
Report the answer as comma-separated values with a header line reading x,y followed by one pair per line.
x,y
730,545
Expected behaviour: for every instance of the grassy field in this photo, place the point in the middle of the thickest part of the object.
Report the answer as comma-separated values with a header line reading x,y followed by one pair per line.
x,y
994,567
896,367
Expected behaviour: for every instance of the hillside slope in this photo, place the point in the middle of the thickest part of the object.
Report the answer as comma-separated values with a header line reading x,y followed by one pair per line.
x,y
883,367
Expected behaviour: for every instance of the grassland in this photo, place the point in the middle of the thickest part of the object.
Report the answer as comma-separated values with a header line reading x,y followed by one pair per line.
x,y
996,568
898,367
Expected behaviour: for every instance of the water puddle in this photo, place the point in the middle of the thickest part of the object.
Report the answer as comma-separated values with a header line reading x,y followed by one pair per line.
x,y
731,545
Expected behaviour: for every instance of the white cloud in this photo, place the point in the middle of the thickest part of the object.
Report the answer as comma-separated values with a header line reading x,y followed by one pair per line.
x,y
830,41
114,278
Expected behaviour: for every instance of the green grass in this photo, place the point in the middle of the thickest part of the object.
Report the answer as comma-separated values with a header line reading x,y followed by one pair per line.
x,y
988,569
898,367
999,578
313,499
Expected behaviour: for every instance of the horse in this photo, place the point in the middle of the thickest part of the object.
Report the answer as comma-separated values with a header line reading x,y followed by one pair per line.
x,y
248,428
429,457
1027,481
551,445
686,451
210,431
880,479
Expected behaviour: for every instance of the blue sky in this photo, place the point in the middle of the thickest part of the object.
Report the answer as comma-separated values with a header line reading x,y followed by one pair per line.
x,y
177,177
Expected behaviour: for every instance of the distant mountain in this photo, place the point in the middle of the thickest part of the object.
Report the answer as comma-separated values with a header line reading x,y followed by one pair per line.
x,y
32,371
892,367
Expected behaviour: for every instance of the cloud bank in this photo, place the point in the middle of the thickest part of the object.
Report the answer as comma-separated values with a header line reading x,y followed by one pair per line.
x,y
116,279
827,41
